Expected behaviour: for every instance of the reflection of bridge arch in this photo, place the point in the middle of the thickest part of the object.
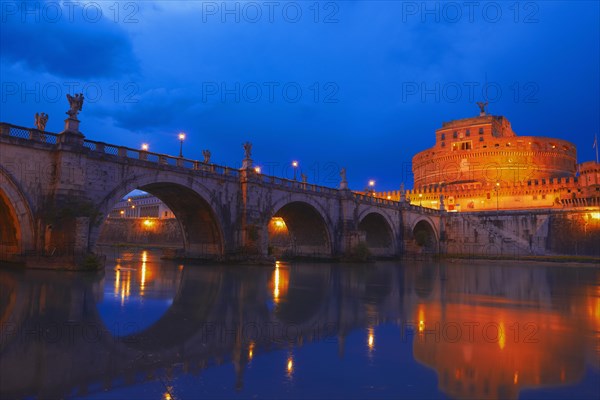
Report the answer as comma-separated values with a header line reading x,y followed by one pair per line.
x,y
306,225
377,285
192,203
16,220
192,307
379,232
306,296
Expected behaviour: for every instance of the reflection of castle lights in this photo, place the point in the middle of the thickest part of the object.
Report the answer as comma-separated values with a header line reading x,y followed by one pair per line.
x,y
371,338
421,319
501,336
144,256
516,377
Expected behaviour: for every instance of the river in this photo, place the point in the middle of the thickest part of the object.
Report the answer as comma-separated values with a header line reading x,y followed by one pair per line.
x,y
151,328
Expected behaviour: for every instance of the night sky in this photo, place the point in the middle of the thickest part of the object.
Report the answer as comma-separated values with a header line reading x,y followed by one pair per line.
x,y
362,85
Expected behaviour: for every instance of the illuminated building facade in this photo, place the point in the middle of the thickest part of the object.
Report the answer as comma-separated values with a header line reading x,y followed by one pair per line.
x,y
480,163
142,206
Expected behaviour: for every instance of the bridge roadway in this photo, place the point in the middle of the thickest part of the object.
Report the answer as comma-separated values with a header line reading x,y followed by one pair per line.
x,y
57,189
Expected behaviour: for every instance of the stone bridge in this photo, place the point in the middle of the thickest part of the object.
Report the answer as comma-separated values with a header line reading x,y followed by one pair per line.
x,y
57,189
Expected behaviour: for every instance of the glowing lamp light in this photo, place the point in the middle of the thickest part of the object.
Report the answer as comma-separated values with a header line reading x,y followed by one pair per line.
x,y
250,351
145,146
257,170
371,183
294,164
181,136
290,365
595,215
148,223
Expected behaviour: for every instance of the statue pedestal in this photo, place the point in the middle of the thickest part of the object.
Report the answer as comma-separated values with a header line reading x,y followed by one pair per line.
x,y
71,134
247,163
344,185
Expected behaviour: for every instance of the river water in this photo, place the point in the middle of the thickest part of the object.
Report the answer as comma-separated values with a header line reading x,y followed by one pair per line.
x,y
150,328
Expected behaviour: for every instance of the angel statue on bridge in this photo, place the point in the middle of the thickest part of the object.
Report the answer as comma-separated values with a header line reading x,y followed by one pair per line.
x,y
248,149
76,104
206,154
40,121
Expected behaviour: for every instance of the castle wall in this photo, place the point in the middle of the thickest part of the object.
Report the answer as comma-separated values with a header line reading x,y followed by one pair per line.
x,y
486,150
524,233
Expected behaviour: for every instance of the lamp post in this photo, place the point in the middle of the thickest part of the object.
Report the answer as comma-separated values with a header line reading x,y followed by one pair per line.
x,y
295,165
497,194
420,199
181,139
372,187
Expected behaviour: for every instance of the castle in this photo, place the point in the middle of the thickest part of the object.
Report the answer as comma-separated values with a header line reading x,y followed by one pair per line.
x,y
479,163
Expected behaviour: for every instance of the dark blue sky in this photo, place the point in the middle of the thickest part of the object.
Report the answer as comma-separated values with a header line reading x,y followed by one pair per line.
x,y
344,83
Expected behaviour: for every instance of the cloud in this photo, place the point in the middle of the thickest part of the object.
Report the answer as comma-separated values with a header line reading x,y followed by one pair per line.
x,y
67,42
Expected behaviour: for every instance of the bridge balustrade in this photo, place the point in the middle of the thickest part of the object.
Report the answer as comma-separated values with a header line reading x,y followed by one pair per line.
x,y
164,159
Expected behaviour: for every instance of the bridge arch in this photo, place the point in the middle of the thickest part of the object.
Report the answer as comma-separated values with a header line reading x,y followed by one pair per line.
x,y
299,227
193,204
17,233
380,232
425,234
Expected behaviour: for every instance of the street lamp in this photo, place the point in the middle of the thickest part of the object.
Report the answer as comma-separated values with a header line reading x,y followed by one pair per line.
x,y
145,146
181,139
420,199
371,186
295,165
497,190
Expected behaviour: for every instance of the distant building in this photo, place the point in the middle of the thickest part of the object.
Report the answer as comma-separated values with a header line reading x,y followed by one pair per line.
x,y
479,163
142,206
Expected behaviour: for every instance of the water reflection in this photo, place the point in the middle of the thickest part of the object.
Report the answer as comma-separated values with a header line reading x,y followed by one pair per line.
x,y
472,331
142,291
